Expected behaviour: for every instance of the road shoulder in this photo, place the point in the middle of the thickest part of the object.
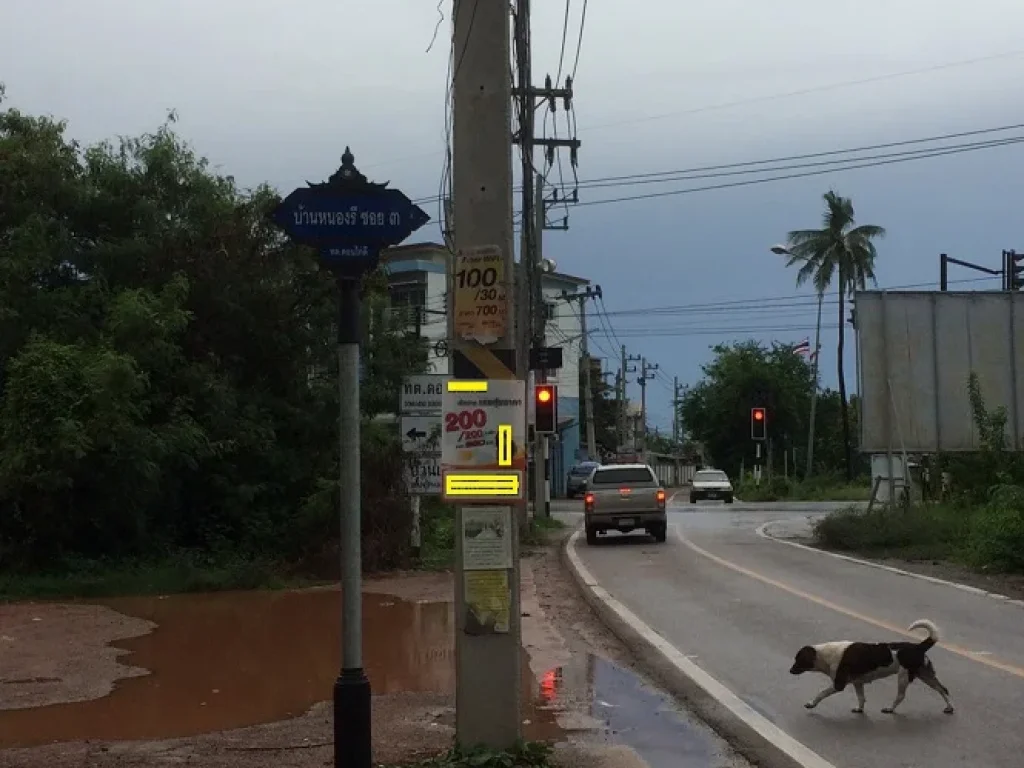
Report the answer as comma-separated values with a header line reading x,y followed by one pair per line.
x,y
1007,589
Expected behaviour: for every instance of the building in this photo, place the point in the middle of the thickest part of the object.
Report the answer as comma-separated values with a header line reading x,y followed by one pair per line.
x,y
418,288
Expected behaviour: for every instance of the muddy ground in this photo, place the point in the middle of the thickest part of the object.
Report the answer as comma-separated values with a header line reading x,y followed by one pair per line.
x,y
51,653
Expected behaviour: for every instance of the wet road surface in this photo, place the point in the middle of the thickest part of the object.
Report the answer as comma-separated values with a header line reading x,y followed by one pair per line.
x,y
740,606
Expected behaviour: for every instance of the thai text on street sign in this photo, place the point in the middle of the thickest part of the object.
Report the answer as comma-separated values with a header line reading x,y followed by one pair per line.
x,y
480,295
422,393
419,426
483,441
349,218
423,474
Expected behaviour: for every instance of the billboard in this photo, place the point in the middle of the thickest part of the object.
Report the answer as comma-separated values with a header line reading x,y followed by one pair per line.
x,y
915,351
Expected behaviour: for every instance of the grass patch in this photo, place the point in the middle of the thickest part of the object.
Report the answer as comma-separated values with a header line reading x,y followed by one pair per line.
x,y
185,572
812,489
989,536
530,754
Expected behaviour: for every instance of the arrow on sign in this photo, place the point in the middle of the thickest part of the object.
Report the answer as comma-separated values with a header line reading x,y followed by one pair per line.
x,y
415,434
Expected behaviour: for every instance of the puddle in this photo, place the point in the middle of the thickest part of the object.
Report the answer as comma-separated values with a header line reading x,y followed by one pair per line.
x,y
229,660
628,712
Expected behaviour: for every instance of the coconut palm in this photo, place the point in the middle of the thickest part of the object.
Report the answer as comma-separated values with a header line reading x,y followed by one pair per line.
x,y
843,251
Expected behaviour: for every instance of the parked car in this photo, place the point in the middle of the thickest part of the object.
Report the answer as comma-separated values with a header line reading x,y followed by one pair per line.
x,y
576,480
711,484
624,497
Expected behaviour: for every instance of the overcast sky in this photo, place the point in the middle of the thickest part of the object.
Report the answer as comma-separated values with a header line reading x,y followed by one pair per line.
x,y
272,91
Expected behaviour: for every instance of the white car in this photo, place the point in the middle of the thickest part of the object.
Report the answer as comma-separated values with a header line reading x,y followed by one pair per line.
x,y
711,484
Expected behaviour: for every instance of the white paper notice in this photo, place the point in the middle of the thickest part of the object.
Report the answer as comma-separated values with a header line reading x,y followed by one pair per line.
x,y
486,538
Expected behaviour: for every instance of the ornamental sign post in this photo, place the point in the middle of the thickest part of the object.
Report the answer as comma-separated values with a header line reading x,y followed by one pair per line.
x,y
349,220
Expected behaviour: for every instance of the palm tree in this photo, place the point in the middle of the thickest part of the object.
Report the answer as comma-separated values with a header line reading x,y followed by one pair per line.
x,y
845,251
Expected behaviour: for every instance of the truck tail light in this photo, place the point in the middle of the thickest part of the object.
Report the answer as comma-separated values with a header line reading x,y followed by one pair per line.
x,y
660,496
588,500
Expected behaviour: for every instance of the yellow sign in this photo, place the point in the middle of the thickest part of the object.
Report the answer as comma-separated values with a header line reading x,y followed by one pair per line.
x,y
482,485
504,445
467,386
488,602
480,295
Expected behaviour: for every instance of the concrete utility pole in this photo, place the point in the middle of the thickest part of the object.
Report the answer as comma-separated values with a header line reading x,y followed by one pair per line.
x,y
646,374
588,385
488,674
534,211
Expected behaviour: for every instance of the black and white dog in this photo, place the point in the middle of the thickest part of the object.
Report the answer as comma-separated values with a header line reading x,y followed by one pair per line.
x,y
856,664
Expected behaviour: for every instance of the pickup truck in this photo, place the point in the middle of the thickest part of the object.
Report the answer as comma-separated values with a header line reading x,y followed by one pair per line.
x,y
624,497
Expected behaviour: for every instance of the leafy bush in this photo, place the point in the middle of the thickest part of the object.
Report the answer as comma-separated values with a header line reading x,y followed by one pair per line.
x,y
996,535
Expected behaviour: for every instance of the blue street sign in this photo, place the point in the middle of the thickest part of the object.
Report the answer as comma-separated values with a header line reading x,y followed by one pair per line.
x,y
331,217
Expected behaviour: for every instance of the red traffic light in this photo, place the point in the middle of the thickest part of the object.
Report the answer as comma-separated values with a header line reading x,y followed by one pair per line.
x,y
758,414
546,411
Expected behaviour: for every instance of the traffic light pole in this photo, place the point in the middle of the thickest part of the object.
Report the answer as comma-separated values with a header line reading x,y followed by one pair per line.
x,y
945,261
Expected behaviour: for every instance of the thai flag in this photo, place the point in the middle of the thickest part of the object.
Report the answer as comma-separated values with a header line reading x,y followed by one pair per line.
x,y
803,348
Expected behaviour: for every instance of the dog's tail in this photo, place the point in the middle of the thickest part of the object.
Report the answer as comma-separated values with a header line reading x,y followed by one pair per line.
x,y
933,632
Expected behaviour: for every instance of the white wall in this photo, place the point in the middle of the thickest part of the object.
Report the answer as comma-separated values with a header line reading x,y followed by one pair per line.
x,y
566,325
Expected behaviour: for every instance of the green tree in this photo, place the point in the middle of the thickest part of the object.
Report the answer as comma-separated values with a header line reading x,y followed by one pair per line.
x,y
845,252
716,410
167,360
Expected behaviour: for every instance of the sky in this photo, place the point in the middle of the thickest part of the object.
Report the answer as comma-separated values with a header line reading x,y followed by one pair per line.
x,y
272,92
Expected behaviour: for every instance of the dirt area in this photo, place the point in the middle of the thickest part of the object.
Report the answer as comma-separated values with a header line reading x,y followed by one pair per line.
x,y
58,652
61,653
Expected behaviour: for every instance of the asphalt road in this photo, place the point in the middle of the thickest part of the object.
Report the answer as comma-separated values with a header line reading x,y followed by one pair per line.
x,y
740,605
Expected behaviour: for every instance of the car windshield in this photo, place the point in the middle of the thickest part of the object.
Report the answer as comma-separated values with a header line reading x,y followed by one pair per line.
x,y
622,476
711,477
583,469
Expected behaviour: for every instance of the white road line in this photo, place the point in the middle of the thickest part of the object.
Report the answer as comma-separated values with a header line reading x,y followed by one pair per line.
x,y
762,531
767,730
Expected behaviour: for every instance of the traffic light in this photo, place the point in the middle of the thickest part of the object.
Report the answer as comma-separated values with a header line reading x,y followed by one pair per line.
x,y
545,400
758,424
1014,273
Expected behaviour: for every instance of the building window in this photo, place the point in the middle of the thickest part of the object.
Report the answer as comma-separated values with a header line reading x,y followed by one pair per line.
x,y
408,296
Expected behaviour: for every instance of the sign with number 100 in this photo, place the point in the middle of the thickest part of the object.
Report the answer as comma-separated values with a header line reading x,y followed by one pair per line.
x,y
480,295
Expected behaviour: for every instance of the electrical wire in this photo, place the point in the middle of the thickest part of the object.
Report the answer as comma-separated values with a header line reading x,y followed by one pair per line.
x,y
627,179
579,41
767,97
565,37
804,174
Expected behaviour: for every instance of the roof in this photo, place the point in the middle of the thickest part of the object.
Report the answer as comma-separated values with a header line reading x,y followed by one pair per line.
x,y
624,466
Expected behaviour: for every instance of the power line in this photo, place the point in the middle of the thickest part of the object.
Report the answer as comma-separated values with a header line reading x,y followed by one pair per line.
x,y
625,180
763,98
809,155
803,174
579,41
784,301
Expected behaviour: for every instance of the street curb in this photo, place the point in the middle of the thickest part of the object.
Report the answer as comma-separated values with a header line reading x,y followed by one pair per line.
x,y
762,531
754,736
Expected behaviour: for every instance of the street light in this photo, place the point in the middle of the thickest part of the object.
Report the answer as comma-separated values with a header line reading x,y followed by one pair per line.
x,y
781,250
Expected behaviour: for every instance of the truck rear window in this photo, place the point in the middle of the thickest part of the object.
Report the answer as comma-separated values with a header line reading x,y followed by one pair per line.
x,y
622,476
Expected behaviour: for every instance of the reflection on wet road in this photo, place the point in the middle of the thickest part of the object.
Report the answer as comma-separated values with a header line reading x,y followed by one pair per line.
x,y
631,713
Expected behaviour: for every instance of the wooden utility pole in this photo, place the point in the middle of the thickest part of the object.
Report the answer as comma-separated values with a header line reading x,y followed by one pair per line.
x,y
488,674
